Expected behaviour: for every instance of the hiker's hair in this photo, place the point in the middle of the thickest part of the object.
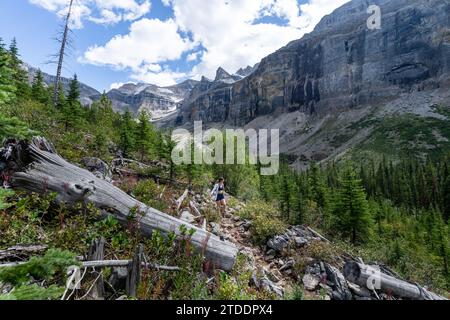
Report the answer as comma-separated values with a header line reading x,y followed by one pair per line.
x,y
221,179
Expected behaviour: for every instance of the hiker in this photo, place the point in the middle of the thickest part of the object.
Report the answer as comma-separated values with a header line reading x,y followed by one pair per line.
x,y
218,193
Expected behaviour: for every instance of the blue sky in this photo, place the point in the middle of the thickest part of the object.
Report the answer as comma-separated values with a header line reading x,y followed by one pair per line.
x,y
157,41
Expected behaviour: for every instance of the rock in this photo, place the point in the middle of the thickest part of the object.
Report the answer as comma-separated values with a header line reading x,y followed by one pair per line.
x,y
236,219
278,243
269,286
247,225
288,265
359,291
239,224
187,217
118,278
246,234
98,167
271,274
215,228
340,287
300,242
310,282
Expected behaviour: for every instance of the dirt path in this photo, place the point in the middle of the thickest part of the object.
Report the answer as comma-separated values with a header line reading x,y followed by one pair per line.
x,y
235,230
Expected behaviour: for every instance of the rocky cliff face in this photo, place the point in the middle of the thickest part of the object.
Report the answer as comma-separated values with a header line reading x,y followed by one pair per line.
x,y
158,101
341,65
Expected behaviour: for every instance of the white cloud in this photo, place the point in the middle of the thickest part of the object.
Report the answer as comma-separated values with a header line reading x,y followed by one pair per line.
x,y
148,43
97,11
226,33
116,85
161,78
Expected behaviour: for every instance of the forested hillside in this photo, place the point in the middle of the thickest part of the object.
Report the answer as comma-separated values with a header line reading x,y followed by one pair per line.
x,y
391,211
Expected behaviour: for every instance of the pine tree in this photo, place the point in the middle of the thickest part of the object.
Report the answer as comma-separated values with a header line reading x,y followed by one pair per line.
x,y
20,75
7,87
38,90
11,127
351,209
126,133
318,186
144,135
72,111
168,146
299,206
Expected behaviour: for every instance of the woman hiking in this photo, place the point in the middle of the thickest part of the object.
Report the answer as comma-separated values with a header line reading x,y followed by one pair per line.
x,y
218,193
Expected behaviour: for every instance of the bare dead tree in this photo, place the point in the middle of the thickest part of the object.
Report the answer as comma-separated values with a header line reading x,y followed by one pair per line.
x,y
61,54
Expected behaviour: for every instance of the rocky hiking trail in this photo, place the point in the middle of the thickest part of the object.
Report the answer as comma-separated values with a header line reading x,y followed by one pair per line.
x,y
274,266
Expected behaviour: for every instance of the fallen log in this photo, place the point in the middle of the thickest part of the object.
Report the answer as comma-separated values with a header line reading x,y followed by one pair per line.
x,y
106,264
372,278
180,200
36,167
18,252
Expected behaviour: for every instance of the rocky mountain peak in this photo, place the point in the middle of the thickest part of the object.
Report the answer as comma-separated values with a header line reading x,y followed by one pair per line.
x,y
244,72
221,74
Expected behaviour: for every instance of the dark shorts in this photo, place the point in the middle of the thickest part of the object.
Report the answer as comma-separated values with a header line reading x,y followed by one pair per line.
x,y
220,197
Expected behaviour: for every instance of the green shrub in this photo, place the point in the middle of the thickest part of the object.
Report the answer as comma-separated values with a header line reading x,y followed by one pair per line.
x,y
53,264
265,222
34,292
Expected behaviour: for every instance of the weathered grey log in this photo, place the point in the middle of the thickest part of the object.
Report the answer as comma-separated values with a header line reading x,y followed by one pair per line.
x,y
36,167
134,272
194,208
180,200
369,276
20,251
106,264
97,252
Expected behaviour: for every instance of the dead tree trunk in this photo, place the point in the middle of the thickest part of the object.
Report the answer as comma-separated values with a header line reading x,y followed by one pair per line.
x,y
36,167
134,272
368,276
96,253
62,52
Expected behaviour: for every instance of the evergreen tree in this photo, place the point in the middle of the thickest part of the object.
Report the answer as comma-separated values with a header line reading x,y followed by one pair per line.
x,y
72,111
11,127
7,87
20,75
144,135
351,208
38,90
318,186
126,133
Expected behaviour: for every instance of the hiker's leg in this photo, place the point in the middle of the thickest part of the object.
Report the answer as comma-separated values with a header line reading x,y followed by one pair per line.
x,y
223,207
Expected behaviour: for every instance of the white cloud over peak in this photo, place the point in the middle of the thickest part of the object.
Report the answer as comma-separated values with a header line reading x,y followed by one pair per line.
x,y
97,11
222,33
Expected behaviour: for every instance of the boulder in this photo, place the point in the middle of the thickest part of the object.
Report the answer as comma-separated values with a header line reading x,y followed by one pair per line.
x,y
341,290
278,243
300,242
310,282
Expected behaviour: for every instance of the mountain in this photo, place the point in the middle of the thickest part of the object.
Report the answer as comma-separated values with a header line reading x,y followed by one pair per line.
x,y
345,85
159,101
87,93
245,72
